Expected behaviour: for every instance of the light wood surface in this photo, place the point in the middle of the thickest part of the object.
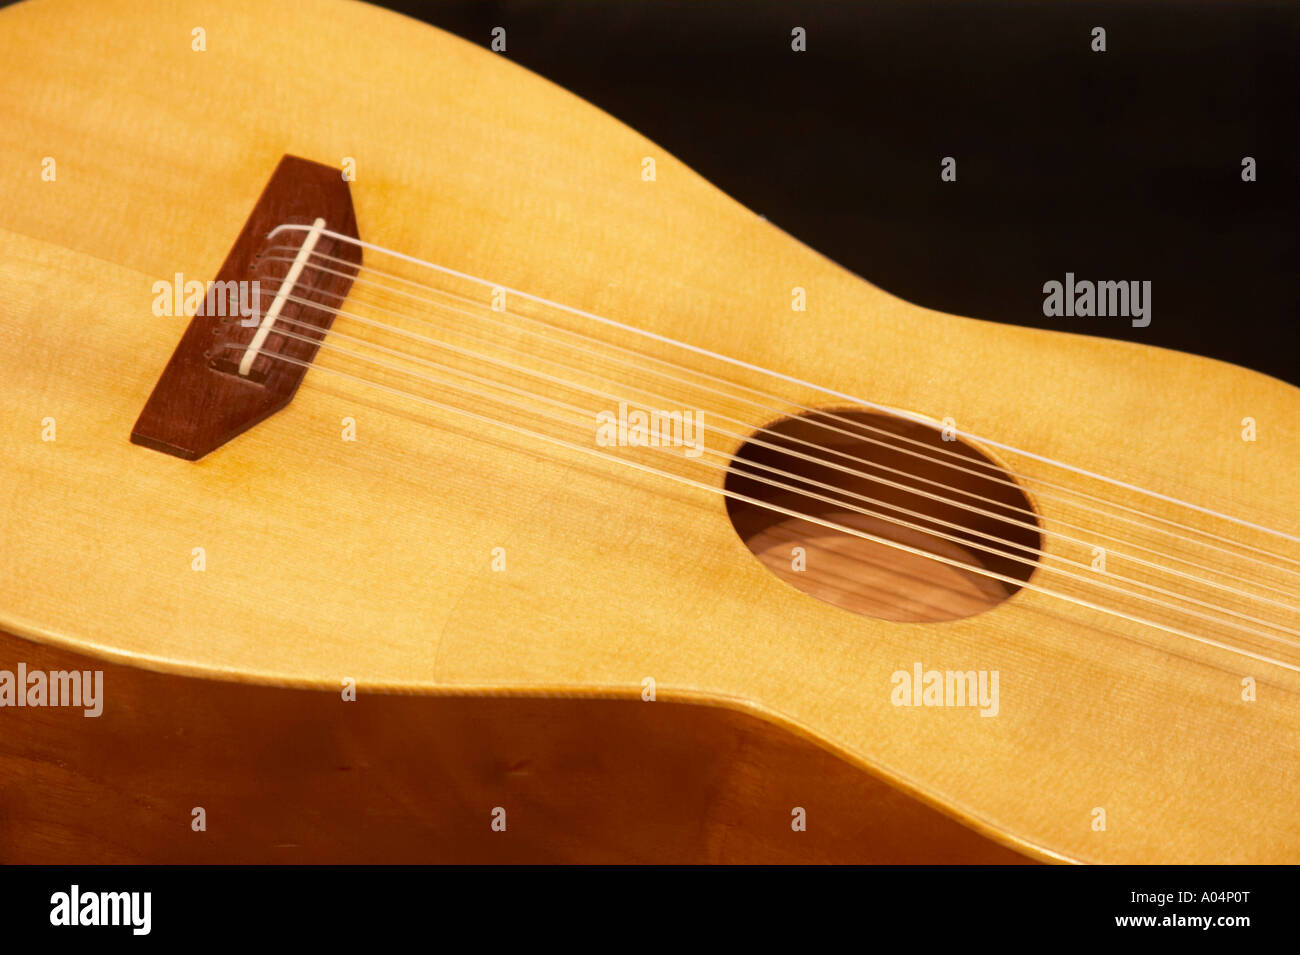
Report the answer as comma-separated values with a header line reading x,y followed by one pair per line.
x,y
370,560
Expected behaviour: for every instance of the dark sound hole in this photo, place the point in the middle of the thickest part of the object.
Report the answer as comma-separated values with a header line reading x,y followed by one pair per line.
x,y
877,477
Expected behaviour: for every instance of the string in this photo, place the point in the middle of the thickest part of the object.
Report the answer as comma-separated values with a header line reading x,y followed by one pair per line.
x,y
995,516
619,398
877,465
897,438
713,489
779,375
999,517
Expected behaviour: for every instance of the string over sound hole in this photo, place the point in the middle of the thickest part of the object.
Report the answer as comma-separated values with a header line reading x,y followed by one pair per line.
x,y
893,521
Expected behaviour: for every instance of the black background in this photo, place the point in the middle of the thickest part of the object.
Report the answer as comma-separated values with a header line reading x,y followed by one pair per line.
x,y
1120,165
925,908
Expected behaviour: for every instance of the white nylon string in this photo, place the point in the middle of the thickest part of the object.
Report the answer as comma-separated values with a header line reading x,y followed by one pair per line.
x,y
897,412
929,452
519,369
1031,524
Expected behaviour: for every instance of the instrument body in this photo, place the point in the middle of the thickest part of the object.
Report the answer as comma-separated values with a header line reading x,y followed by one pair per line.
x,y
370,560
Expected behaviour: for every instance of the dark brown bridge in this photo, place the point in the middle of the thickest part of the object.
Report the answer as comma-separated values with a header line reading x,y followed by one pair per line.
x,y
203,399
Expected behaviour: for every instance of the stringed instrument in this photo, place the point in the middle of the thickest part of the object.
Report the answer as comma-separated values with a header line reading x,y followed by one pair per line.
x,y
433,469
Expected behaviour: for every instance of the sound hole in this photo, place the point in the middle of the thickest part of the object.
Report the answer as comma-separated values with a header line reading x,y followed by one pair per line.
x,y
958,516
